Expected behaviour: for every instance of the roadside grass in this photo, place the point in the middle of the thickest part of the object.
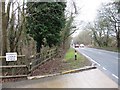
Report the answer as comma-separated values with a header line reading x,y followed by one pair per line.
x,y
70,62
114,49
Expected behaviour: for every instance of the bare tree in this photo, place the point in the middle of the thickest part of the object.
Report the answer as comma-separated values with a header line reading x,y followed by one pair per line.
x,y
69,28
106,25
0,28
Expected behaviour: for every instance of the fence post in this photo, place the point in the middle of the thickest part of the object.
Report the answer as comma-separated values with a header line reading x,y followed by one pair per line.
x,y
30,67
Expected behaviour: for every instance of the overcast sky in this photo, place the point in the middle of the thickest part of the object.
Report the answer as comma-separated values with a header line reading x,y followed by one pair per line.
x,y
87,10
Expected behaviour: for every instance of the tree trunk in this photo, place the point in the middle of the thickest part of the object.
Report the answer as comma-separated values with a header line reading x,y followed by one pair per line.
x,y
0,28
118,40
4,31
96,39
63,44
38,47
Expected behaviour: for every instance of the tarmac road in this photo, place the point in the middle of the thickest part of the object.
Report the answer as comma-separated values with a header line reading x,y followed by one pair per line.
x,y
107,61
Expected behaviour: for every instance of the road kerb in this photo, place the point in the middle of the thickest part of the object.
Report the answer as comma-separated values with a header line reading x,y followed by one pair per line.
x,y
42,76
80,69
62,73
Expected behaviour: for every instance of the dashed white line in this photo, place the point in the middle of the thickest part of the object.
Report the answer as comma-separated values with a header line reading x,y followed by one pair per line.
x,y
104,68
114,76
98,64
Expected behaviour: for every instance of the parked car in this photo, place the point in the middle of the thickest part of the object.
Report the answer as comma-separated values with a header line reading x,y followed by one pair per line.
x,y
82,45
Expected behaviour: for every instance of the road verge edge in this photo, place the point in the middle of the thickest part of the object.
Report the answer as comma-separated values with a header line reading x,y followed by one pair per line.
x,y
62,73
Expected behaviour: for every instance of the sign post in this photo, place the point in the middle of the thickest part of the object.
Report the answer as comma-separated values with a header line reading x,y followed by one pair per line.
x,y
11,56
75,55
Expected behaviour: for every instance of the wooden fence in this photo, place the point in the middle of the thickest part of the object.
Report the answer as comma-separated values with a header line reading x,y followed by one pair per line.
x,y
13,68
22,67
39,58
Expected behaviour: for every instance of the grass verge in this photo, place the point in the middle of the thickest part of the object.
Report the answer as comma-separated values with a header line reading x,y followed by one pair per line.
x,y
113,49
69,61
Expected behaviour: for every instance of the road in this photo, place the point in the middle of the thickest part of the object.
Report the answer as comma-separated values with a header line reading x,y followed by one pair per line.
x,y
107,61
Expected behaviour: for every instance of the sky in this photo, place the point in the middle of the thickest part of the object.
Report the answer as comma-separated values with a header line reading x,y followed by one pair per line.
x,y
87,11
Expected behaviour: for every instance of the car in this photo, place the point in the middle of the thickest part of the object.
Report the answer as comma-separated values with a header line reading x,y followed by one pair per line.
x,y
76,45
82,45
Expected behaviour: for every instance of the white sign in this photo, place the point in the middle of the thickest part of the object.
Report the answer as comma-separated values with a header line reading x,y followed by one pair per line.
x,y
11,56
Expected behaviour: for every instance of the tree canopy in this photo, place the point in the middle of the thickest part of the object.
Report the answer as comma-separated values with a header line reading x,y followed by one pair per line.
x,y
45,21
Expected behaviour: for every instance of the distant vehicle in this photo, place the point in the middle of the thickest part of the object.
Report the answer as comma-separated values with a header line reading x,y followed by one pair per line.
x,y
76,45
82,45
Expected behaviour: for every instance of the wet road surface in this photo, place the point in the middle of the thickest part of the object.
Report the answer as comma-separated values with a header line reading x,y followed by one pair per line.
x,y
107,61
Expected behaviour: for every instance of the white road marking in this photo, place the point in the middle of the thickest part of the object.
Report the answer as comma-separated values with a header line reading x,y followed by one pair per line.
x,y
98,64
104,68
114,76
91,59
